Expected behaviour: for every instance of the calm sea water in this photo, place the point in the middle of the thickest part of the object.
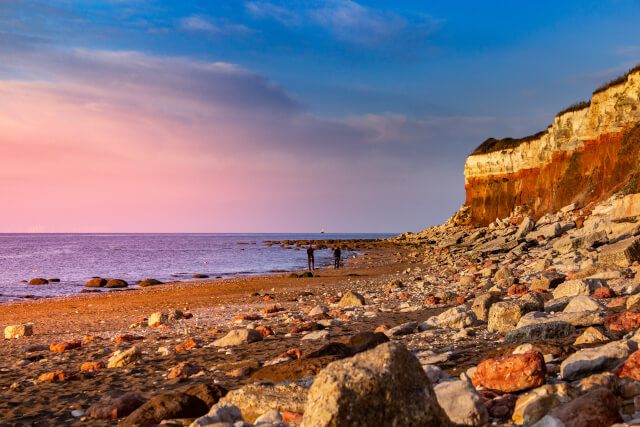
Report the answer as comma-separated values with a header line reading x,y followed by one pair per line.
x,y
75,258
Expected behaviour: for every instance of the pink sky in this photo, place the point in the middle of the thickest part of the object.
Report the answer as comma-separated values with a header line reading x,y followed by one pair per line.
x,y
123,141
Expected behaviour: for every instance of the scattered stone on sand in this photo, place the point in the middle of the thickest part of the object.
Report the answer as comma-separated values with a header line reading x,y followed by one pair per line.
x,y
351,299
238,337
115,405
116,283
18,331
123,358
96,282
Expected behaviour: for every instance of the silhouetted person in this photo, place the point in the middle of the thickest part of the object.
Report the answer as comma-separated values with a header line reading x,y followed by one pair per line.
x,y
336,257
310,259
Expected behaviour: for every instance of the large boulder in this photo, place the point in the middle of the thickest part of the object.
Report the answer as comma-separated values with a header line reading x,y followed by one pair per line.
x,y
482,304
512,373
96,282
238,337
462,403
540,331
591,360
455,318
577,287
38,281
580,318
383,386
622,253
582,303
116,283
624,321
597,408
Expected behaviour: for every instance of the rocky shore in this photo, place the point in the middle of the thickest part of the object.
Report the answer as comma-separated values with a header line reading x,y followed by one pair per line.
x,y
522,322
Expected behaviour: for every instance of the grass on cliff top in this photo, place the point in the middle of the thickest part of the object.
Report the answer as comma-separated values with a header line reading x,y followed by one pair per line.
x,y
492,144
618,81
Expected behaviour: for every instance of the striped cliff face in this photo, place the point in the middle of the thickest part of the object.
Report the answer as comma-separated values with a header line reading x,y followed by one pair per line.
x,y
585,156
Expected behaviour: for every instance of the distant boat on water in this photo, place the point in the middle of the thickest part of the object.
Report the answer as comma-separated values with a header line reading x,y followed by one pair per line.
x,y
322,231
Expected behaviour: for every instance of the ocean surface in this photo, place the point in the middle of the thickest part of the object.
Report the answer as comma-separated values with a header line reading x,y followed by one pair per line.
x,y
75,258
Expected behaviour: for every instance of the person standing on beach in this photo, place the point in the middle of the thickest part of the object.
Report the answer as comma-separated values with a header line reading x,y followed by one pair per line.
x,y
336,257
310,258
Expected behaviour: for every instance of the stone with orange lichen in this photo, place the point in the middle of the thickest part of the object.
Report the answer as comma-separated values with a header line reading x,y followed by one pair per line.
x,y
188,345
64,346
246,317
184,370
272,309
630,367
128,338
55,376
625,321
88,338
291,417
92,366
309,326
265,330
511,373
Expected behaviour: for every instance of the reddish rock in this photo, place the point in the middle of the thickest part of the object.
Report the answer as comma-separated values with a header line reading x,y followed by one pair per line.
x,y
630,368
433,300
187,316
268,298
604,292
184,370
88,338
625,321
518,290
291,417
499,406
511,373
309,326
166,407
247,317
331,300
272,309
597,408
128,338
460,300
115,405
265,330
55,376
92,366
64,346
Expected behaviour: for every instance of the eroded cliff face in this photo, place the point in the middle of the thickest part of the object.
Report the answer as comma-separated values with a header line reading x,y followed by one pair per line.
x,y
584,156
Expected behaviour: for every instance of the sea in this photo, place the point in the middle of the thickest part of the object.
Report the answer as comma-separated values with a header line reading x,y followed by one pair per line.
x,y
76,258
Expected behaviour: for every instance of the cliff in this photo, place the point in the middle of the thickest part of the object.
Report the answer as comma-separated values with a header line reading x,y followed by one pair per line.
x,y
591,151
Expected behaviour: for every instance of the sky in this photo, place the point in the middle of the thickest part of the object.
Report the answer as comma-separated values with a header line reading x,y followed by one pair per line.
x,y
279,116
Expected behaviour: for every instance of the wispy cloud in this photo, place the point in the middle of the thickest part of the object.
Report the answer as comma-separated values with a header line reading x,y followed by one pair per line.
x,y
200,23
348,21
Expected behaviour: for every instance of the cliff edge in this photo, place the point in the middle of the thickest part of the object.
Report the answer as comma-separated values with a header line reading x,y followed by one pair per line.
x,y
591,151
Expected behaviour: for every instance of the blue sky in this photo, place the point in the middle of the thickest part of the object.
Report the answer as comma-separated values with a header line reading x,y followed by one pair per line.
x,y
391,94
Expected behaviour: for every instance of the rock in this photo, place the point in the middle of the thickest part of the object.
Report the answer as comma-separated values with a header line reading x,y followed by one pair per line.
x,y
596,408
238,337
386,384
577,287
18,331
503,273
115,405
455,318
166,407
270,417
511,373
184,370
547,281
540,331
482,304
622,253
96,282
316,335
116,283
149,282
158,318
504,316
581,318
462,403
351,299
92,366
630,368
625,209
64,346
394,284
603,293
525,227
318,310
591,360
547,231
531,407
253,400
435,374
124,358
591,335
556,304
532,301
582,303
624,321
570,243
404,329
38,281
221,416
501,406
